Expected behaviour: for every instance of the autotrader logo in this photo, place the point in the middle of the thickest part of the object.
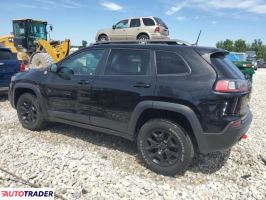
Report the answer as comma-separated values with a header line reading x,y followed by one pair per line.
x,y
26,193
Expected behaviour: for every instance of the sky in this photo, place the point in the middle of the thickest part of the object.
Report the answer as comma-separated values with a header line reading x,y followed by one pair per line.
x,y
79,20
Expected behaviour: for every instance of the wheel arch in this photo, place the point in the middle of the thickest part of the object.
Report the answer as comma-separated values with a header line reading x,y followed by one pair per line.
x,y
181,114
143,33
102,33
22,88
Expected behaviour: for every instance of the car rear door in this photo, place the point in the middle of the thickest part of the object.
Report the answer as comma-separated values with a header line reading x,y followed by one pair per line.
x,y
134,29
126,80
9,65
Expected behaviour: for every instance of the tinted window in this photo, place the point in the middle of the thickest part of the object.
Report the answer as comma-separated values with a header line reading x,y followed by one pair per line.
x,y
6,55
170,63
122,24
134,23
84,63
224,67
148,22
160,22
19,29
128,62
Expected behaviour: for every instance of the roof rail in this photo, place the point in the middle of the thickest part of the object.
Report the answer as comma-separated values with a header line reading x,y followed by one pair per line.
x,y
168,42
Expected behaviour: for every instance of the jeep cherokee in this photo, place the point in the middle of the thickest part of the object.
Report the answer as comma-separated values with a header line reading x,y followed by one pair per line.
x,y
169,97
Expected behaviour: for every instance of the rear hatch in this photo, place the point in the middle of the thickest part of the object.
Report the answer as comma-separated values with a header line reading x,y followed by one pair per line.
x,y
163,27
9,65
230,83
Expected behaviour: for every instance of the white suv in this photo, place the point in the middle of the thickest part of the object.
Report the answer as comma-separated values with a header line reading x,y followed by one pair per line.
x,y
140,28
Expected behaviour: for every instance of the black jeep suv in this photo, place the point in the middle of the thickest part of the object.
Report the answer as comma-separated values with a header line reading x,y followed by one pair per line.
x,y
170,98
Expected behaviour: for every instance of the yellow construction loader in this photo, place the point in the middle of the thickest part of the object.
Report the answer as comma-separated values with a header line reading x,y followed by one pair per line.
x,y
31,44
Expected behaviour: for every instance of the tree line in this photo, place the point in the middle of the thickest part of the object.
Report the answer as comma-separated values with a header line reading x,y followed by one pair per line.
x,y
242,46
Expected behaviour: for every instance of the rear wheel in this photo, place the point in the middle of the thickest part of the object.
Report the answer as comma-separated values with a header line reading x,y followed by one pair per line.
x,y
143,37
41,60
165,147
29,112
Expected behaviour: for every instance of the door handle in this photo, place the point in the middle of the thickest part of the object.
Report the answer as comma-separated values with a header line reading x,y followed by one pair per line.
x,y
2,64
83,82
142,85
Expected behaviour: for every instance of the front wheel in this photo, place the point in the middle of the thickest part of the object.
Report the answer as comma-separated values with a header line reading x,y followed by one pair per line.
x,y
29,112
165,147
103,38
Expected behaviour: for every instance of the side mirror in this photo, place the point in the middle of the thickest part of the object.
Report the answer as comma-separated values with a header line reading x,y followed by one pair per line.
x,y
51,28
53,68
113,26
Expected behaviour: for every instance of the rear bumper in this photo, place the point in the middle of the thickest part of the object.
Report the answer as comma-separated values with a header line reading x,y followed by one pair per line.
x,y
159,37
211,142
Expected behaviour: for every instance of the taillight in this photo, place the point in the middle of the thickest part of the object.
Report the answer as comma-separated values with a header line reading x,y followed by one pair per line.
x,y
229,86
157,29
22,67
247,65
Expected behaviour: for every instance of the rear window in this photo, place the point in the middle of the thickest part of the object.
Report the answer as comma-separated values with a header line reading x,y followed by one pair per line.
x,y
148,22
225,68
160,22
6,55
170,63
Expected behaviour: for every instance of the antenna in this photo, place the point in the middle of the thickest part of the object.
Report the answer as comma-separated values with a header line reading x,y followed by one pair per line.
x,y
198,38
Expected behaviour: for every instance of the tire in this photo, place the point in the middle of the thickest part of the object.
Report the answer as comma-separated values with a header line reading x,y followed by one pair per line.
x,y
41,60
103,38
174,141
143,37
29,112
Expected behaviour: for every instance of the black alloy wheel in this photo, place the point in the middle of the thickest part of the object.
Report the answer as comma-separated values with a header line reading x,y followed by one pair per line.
x,y
165,147
162,147
29,112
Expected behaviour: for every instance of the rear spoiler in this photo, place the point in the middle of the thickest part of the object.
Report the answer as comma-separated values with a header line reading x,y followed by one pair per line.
x,y
207,53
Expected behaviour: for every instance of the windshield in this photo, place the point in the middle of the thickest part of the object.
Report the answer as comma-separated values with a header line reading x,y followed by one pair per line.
x,y
160,22
236,57
19,29
38,30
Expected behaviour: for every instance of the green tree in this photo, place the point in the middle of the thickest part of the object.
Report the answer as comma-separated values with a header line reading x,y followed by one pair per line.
x,y
240,46
84,43
229,45
258,46
220,44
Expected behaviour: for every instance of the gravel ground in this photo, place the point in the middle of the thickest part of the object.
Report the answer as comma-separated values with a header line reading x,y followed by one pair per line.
x,y
81,164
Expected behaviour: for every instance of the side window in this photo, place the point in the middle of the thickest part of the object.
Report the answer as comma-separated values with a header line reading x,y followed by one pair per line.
x,y
7,55
148,22
128,62
84,63
134,23
122,24
170,63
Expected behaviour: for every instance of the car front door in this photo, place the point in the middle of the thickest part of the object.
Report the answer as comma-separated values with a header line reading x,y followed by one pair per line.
x,y
134,29
119,32
126,80
68,90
